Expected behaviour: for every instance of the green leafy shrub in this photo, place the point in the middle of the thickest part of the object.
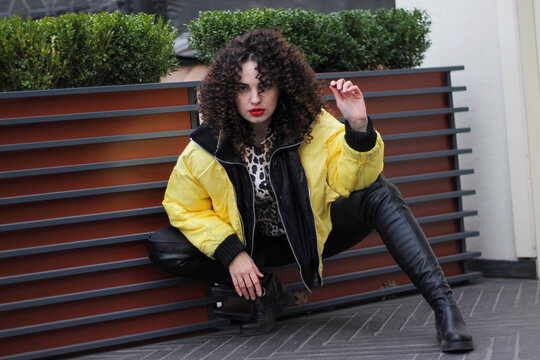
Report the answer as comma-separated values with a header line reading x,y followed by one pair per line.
x,y
343,41
78,50
388,39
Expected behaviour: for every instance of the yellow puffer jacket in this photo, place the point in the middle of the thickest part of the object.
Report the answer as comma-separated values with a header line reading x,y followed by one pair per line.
x,y
201,199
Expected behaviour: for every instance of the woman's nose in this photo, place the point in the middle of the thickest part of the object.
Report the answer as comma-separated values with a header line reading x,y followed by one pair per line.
x,y
255,97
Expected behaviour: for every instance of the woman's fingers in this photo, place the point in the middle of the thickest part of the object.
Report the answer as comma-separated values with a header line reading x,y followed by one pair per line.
x,y
246,287
257,283
344,88
245,276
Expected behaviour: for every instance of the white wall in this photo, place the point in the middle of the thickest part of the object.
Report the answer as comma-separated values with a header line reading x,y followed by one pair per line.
x,y
465,32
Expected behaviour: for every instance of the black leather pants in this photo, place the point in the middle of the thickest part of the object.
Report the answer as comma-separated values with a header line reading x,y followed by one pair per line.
x,y
379,206
171,251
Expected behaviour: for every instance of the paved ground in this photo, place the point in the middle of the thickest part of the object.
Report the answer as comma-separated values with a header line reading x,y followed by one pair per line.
x,y
502,314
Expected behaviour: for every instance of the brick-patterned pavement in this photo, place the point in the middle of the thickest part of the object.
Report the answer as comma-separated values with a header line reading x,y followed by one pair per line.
x,y
502,314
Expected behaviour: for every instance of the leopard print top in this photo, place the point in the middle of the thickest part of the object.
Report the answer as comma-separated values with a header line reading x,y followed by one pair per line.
x,y
257,160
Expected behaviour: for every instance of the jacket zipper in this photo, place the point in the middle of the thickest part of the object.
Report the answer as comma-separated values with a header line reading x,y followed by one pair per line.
x,y
279,211
281,217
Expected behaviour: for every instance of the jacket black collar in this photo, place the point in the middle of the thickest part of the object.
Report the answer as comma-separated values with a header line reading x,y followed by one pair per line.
x,y
223,149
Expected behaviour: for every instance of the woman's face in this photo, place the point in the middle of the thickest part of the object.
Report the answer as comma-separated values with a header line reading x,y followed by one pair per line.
x,y
253,105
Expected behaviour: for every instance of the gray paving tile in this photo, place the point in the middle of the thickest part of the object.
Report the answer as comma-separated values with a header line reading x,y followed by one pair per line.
x,y
503,316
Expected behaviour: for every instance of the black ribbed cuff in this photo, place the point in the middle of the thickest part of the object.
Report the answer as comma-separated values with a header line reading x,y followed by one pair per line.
x,y
228,249
361,141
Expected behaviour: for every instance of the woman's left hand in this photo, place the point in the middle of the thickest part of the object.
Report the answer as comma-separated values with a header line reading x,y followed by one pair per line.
x,y
350,102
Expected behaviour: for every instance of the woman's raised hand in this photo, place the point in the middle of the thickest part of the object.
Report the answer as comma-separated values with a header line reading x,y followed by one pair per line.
x,y
350,102
245,276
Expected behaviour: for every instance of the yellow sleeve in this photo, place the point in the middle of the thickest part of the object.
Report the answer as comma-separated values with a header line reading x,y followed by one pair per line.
x,y
190,209
349,170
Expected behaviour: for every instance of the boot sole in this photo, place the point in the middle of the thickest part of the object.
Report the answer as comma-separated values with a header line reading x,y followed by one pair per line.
x,y
255,332
456,346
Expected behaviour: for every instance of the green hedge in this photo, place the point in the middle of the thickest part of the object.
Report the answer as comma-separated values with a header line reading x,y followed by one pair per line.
x,y
78,50
343,41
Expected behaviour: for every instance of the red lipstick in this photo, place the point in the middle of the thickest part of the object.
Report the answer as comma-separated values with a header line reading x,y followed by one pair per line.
x,y
256,111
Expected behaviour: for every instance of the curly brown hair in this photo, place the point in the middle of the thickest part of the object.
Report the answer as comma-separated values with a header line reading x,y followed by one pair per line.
x,y
278,62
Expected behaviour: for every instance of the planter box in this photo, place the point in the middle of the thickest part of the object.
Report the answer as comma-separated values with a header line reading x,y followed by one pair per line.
x,y
82,175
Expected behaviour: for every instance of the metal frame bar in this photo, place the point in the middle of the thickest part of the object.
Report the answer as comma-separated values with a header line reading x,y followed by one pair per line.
x,y
426,112
5,254
98,89
425,155
50,274
430,176
94,140
453,139
371,73
439,196
82,192
97,115
404,92
85,167
81,218
420,134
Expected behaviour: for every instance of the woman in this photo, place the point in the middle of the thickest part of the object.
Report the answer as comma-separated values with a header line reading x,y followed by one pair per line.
x,y
270,178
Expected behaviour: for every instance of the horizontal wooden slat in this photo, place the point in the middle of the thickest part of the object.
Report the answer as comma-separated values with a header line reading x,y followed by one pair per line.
x,y
86,167
96,115
144,336
426,155
73,271
90,294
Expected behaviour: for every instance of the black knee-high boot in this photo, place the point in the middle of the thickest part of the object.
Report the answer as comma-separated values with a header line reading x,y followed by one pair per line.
x,y
409,247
